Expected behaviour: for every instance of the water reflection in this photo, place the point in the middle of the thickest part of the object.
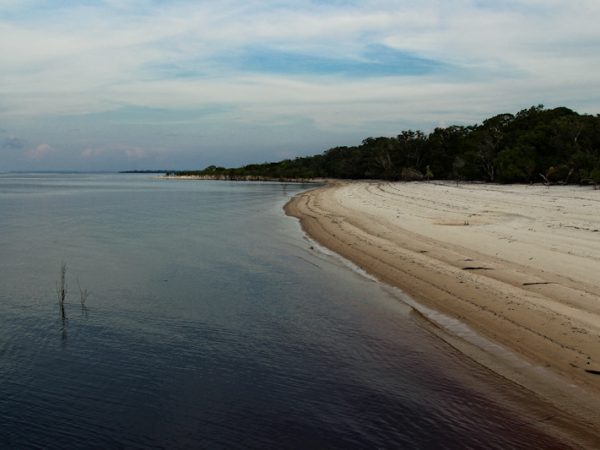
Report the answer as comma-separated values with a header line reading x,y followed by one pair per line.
x,y
255,341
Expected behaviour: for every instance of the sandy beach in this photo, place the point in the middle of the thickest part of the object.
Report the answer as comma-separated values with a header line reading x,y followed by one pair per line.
x,y
519,265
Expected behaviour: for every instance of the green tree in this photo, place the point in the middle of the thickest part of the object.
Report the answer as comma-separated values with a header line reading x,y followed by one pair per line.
x,y
516,164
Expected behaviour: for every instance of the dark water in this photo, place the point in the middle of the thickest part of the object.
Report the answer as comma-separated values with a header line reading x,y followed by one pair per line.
x,y
212,324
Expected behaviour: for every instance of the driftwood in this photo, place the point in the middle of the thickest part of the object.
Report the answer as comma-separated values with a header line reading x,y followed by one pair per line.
x,y
546,181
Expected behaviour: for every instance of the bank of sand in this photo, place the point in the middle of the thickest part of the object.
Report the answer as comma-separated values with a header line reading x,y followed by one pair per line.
x,y
520,265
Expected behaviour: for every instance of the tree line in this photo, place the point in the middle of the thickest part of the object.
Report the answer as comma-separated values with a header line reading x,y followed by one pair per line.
x,y
535,145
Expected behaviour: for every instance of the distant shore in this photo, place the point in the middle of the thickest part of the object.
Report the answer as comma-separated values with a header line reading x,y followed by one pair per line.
x,y
245,178
518,264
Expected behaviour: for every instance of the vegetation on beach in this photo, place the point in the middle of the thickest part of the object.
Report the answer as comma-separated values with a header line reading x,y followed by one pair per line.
x,y
536,144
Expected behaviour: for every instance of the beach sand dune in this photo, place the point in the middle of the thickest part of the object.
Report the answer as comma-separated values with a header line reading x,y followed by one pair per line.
x,y
520,265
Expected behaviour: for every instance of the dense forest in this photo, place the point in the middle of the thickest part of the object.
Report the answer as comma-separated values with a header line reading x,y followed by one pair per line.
x,y
535,145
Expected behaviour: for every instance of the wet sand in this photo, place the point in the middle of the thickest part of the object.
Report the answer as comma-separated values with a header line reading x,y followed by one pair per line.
x,y
519,265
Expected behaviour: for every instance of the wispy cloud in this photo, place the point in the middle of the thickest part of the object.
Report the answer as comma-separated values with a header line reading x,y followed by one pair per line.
x,y
12,143
39,152
369,65
131,152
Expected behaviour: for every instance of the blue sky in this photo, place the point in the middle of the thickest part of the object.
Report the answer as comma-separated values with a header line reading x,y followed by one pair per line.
x,y
109,85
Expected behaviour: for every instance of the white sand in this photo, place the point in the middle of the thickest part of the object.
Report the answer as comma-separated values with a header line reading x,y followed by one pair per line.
x,y
519,264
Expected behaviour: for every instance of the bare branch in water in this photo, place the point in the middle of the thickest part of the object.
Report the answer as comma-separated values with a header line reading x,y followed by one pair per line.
x,y
61,285
83,294
61,290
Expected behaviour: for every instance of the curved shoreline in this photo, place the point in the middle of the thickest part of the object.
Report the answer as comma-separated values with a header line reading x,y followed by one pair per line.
x,y
486,256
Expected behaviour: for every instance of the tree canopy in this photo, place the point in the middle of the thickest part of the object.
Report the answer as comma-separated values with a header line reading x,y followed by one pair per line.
x,y
536,144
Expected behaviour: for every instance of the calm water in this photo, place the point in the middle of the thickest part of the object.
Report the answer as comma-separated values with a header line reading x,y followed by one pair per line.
x,y
211,323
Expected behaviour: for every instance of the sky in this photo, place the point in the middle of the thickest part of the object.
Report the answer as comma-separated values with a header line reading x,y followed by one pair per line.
x,y
156,84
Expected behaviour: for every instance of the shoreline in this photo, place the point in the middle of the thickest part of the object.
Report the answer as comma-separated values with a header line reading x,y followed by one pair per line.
x,y
488,257
252,178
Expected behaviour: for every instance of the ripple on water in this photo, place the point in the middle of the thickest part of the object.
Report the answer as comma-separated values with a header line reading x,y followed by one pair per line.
x,y
211,325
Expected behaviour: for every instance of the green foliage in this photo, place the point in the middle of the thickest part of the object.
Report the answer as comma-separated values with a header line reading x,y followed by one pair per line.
x,y
516,164
428,173
558,144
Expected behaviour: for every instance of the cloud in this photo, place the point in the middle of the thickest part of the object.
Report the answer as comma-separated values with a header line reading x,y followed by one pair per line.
x,y
71,61
39,152
113,150
370,66
12,143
